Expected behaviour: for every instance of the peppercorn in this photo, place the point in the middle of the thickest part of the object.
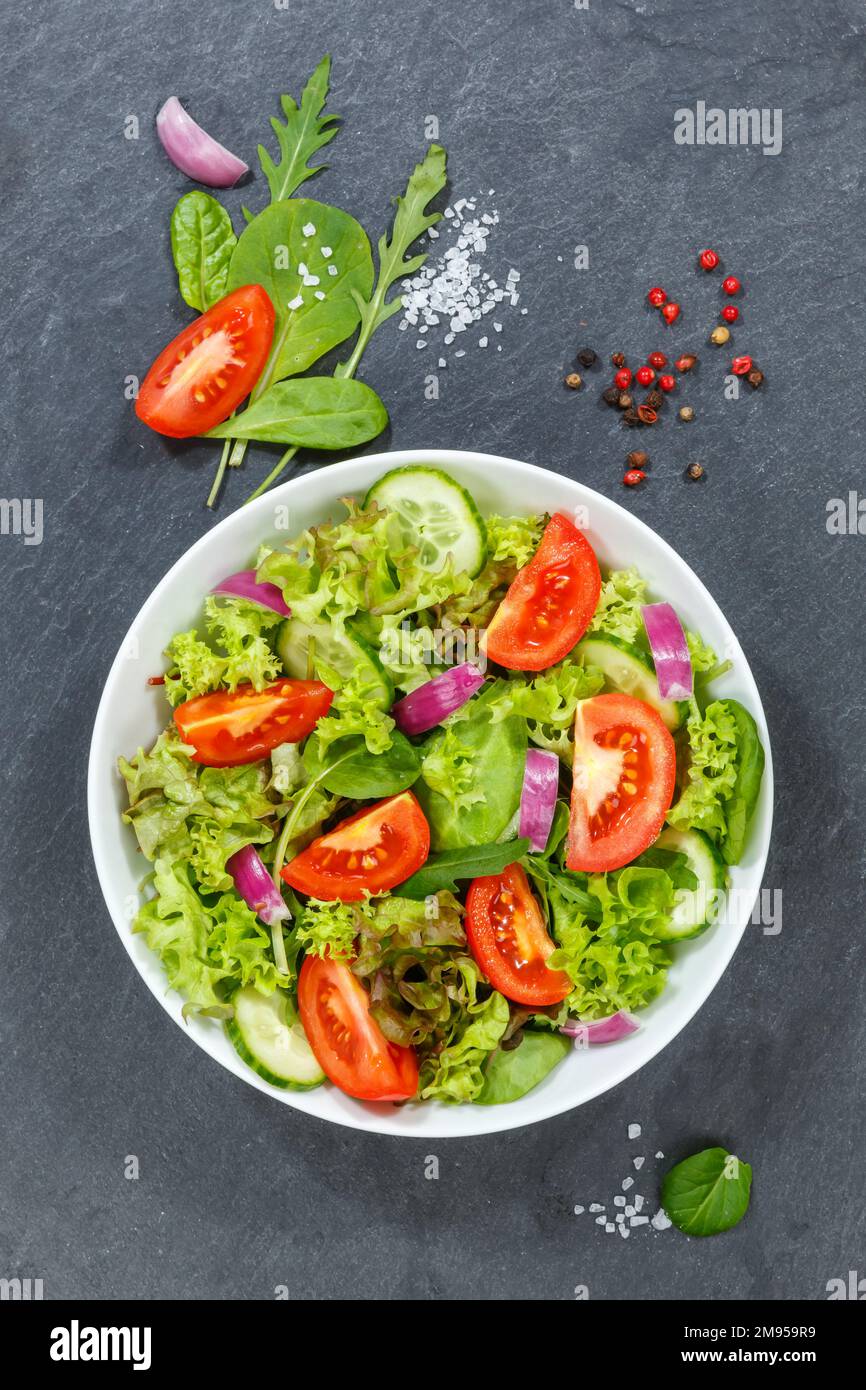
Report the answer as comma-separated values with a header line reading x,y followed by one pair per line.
x,y
610,396
657,296
730,313
695,471
741,366
637,459
667,382
720,335
645,376
686,362
587,358
618,359
654,400
633,477
671,312
657,360
574,381
623,379
709,260
630,417
731,285
647,415
625,401
755,378
686,413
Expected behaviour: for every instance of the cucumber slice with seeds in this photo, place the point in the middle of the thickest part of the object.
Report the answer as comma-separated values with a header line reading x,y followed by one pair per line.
x,y
437,515
626,668
344,650
695,909
268,1035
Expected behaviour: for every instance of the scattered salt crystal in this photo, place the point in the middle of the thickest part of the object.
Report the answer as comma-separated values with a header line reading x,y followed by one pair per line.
x,y
610,1228
332,270
601,1220
461,353
596,1206
482,342
311,280
634,1131
661,1221
638,1163
308,229
443,363
624,1232
619,1218
302,269
638,1203
659,1154
639,1221
327,252
420,343
578,1211
630,1211
319,295
297,302
627,1183
619,1201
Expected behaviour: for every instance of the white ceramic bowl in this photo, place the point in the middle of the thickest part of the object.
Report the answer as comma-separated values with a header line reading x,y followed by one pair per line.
x,y
131,715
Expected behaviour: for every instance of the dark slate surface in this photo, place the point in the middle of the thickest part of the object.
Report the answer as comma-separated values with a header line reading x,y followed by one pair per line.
x,y
568,115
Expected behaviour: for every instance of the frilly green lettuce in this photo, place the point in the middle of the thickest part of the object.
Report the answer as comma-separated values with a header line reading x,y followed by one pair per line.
x,y
237,651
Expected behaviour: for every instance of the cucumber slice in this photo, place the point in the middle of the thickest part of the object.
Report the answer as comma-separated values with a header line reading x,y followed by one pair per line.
x,y
626,668
437,515
269,1036
345,650
694,910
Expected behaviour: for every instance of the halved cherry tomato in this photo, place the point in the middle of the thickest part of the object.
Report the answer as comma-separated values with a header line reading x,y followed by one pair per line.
x,y
625,769
373,850
348,1042
550,602
209,368
229,728
508,939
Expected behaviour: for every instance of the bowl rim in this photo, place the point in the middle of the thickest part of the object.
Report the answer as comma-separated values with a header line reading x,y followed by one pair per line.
x,y
380,1119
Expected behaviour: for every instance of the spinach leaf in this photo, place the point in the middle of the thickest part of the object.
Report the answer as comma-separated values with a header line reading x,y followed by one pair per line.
x,y
510,1074
316,412
271,252
707,1193
410,222
472,773
750,770
304,132
202,242
357,773
442,870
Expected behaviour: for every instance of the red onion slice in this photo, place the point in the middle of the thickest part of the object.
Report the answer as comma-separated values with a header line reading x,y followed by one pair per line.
x,y
436,699
244,585
256,886
670,651
538,798
601,1030
195,152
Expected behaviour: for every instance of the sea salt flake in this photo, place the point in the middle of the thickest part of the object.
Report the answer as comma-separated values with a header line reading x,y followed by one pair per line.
x,y
319,294
332,270
638,1203
619,1201
634,1131
326,252
627,1183
624,1232
308,229
619,1218
638,1163
578,1211
482,342
596,1206
601,1220
639,1221
661,1221
630,1211
659,1154
297,302
610,1228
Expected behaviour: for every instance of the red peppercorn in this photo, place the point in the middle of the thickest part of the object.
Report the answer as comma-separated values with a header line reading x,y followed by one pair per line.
x,y
686,362
657,360
667,382
623,378
645,376
731,285
656,296
730,313
709,260
741,365
670,312
633,477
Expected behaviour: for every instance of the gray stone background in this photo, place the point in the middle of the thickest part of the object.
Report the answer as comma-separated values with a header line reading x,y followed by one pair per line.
x,y
568,115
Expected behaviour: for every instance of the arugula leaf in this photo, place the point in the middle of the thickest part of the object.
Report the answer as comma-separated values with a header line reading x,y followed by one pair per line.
x,y
270,253
707,1193
359,774
511,1073
442,870
304,131
410,222
316,412
202,243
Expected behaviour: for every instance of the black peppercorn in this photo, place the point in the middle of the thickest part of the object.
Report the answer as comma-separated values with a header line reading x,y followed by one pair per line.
x,y
587,358
654,399
610,396
630,417
755,378
618,359
695,471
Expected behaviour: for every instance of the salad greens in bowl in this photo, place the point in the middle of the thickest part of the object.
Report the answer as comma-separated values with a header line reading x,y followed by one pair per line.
x,y
436,796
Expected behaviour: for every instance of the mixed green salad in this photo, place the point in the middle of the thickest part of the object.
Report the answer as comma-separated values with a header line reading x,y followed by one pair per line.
x,y
436,801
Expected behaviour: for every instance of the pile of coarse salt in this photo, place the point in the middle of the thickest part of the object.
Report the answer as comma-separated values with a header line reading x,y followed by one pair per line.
x,y
451,292
629,1212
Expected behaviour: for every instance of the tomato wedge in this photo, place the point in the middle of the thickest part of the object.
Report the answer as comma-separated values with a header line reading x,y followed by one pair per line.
x,y
209,368
229,728
348,1042
373,850
508,939
549,604
625,769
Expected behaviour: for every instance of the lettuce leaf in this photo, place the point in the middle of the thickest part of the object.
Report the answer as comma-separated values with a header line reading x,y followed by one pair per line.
x,y
548,703
237,651
514,538
711,774
623,594
328,928
176,924
455,1073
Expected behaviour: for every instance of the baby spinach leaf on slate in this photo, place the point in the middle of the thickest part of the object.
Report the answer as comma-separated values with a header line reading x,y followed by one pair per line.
x,y
750,770
271,252
315,412
362,775
707,1193
443,870
304,131
510,1074
202,242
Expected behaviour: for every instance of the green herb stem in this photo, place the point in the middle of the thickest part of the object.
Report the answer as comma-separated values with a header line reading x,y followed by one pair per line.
x,y
274,474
